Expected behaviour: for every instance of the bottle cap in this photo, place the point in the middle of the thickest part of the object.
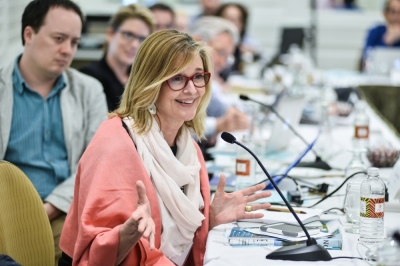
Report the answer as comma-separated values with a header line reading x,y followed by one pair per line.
x,y
373,171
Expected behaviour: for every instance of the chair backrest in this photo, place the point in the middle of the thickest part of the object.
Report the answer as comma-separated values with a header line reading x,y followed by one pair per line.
x,y
291,36
25,231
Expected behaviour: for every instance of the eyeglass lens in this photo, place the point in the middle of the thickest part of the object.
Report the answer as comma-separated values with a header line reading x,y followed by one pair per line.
x,y
179,82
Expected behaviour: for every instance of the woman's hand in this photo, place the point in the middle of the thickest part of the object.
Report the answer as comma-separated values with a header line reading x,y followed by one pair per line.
x,y
140,224
230,207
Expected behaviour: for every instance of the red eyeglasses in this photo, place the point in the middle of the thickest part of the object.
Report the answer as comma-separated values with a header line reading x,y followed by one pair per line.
x,y
199,80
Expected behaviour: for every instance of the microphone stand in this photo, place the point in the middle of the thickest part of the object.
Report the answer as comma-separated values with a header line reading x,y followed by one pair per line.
x,y
319,163
309,252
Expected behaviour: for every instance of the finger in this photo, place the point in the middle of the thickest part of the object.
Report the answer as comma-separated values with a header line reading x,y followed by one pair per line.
x,y
141,190
253,189
147,232
151,241
221,184
257,196
143,224
261,206
253,215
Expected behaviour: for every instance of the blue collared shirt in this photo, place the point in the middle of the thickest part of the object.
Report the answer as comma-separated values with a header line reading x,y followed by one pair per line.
x,y
36,143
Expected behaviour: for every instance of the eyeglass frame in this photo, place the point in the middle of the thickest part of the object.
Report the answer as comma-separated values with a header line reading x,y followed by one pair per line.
x,y
190,78
132,36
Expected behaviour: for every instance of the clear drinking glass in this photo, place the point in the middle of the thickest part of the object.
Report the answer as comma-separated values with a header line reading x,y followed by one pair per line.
x,y
352,206
356,164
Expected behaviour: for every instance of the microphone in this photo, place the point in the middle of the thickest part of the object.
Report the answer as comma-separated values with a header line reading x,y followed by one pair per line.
x,y
319,163
311,251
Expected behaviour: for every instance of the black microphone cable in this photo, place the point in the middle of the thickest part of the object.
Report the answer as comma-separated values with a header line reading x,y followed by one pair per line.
x,y
324,197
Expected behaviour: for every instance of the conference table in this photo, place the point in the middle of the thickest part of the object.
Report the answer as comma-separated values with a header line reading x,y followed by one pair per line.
x,y
218,252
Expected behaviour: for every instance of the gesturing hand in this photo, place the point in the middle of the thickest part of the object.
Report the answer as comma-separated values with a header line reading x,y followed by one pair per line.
x,y
142,215
140,224
230,207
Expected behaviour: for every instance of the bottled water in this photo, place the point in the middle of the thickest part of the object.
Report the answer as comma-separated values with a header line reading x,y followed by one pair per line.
x,y
245,166
372,208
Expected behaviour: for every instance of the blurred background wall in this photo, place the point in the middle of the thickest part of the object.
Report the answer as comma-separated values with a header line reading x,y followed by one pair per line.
x,y
338,36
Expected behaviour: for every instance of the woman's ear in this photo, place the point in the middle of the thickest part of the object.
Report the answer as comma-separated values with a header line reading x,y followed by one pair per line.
x,y
109,34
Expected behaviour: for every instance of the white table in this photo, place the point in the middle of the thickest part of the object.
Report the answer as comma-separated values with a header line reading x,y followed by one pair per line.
x,y
218,253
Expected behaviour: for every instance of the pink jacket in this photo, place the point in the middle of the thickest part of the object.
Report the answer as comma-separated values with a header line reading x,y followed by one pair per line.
x,y
105,197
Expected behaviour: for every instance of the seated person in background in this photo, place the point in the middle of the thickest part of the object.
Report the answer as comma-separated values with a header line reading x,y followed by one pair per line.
x,y
385,35
208,8
142,195
181,21
247,47
221,36
49,112
127,30
164,16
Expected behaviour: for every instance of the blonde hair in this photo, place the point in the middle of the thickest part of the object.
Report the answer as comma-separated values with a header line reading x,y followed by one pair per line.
x,y
132,11
161,56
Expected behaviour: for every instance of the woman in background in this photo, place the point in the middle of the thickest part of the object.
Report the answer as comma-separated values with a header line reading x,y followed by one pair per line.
x,y
385,35
142,195
247,47
127,30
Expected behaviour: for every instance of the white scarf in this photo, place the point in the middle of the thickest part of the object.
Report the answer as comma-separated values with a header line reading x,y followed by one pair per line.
x,y
180,213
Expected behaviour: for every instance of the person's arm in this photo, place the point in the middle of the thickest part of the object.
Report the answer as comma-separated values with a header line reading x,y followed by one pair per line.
x,y
233,120
95,113
52,212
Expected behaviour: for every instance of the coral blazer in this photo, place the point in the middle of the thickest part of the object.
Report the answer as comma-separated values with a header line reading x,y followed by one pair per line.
x,y
105,197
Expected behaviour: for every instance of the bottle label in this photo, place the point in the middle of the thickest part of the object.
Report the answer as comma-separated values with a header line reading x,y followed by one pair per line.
x,y
242,167
372,208
361,132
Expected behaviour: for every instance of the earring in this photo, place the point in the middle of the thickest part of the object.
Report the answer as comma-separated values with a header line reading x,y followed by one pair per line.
x,y
152,109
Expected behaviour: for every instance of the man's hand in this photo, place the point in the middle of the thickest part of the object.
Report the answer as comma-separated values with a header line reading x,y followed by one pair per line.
x,y
52,212
233,120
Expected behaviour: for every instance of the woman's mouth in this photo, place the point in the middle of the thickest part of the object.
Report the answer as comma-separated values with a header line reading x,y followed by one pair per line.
x,y
186,101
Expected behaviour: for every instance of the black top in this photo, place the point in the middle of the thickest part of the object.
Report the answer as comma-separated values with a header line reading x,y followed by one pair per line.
x,y
112,87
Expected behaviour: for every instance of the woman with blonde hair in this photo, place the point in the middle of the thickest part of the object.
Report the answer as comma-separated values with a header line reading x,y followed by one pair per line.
x,y
126,31
142,195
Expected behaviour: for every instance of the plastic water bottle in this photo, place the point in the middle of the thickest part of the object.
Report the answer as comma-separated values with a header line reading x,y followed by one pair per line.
x,y
361,126
245,166
372,207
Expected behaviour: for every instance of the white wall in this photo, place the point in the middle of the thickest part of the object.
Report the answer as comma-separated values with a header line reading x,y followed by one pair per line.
x,y
10,29
340,34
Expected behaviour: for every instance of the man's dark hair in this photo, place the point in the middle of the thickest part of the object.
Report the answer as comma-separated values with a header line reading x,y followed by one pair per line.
x,y
36,11
162,7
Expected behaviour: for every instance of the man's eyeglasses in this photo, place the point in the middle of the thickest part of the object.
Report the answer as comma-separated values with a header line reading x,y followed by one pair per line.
x,y
230,59
130,36
179,82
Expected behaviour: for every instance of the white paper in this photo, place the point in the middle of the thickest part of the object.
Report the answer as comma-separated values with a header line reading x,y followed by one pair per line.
x,y
290,238
394,182
271,217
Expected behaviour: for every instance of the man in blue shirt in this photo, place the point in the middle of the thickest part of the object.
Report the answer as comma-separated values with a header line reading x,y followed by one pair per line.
x,y
49,112
385,35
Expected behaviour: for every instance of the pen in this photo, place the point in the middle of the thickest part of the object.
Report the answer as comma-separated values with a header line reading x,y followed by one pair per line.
x,y
283,209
